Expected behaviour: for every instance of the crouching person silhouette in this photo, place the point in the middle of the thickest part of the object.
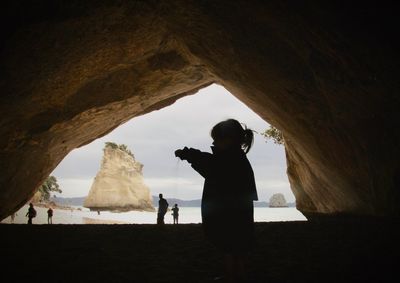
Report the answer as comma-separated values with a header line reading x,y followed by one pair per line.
x,y
229,191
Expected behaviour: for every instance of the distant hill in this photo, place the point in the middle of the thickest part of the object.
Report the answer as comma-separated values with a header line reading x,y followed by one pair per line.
x,y
197,202
78,201
179,202
260,204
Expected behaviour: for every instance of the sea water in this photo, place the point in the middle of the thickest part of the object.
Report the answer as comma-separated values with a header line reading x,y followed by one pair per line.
x,y
82,215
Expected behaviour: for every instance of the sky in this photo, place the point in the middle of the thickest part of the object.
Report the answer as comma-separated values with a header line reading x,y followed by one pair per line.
x,y
154,137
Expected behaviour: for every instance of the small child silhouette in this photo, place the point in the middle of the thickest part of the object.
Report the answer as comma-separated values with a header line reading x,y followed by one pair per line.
x,y
175,213
228,193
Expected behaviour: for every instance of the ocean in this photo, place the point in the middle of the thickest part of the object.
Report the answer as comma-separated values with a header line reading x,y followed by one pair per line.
x,y
82,215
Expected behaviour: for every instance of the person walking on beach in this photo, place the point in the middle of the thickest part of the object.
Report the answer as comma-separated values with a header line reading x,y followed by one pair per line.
x,y
175,213
50,216
31,213
229,190
162,209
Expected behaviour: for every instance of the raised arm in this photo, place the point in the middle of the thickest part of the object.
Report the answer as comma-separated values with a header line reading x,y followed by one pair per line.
x,y
202,162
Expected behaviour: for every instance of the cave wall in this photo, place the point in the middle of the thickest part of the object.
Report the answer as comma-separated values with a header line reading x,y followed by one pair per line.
x,y
323,73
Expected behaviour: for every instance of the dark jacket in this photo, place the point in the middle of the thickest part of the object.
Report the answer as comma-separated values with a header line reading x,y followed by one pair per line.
x,y
229,183
229,191
31,212
162,206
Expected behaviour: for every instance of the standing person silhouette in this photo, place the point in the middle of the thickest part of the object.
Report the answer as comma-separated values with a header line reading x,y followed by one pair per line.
x,y
162,209
50,216
175,213
31,213
228,194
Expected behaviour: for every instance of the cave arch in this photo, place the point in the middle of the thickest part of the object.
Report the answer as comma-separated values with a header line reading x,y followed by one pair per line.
x,y
324,75
154,136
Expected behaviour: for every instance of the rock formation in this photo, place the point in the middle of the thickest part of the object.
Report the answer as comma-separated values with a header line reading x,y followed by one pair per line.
x,y
119,185
277,200
325,73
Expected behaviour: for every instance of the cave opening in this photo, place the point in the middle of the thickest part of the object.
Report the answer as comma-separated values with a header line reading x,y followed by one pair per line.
x,y
89,69
152,138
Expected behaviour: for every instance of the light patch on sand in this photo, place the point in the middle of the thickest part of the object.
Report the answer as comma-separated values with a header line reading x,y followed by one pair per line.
x,y
86,220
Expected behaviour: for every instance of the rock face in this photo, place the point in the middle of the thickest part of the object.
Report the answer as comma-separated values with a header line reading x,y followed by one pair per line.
x,y
119,185
277,200
323,72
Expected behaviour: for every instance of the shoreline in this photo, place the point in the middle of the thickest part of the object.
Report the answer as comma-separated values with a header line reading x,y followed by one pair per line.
x,y
80,215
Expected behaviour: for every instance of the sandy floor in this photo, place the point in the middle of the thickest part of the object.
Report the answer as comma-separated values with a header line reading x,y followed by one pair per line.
x,y
364,250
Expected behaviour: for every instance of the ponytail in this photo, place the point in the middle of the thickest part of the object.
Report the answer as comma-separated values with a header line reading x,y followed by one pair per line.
x,y
248,139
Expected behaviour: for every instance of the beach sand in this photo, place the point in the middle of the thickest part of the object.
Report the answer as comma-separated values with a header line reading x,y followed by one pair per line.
x,y
338,250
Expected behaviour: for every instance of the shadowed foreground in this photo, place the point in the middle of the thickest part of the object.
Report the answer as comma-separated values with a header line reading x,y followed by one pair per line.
x,y
361,250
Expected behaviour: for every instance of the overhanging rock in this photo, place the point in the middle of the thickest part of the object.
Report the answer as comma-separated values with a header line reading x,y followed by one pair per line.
x,y
325,74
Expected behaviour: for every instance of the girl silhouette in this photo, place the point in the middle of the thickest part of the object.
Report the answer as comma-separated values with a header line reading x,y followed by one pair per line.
x,y
228,193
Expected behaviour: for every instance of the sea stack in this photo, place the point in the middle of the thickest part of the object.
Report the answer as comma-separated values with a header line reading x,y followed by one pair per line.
x,y
277,200
119,184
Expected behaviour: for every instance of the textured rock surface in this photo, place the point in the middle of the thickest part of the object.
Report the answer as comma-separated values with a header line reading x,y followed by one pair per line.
x,y
325,74
277,200
119,184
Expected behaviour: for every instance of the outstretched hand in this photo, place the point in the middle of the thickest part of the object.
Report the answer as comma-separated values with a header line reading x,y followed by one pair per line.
x,y
178,153
181,153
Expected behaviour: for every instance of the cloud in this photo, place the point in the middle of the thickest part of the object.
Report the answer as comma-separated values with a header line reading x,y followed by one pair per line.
x,y
73,187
